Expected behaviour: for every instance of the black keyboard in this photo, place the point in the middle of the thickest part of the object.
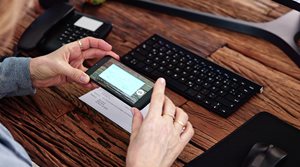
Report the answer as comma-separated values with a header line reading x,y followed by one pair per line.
x,y
204,82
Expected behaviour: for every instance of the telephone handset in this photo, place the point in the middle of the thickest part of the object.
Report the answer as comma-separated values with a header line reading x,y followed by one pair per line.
x,y
59,25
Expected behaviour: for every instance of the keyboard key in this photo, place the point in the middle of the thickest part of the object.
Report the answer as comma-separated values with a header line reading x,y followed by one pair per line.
x,y
133,61
199,81
175,76
147,69
182,80
191,77
200,97
215,105
154,65
157,74
207,103
169,72
206,85
140,65
197,88
204,91
230,97
190,92
161,69
148,61
190,84
225,102
212,95
214,89
176,85
138,56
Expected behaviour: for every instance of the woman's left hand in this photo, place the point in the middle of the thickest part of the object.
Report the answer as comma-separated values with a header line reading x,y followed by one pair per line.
x,y
66,63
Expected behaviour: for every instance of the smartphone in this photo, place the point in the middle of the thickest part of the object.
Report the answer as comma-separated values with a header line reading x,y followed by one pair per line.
x,y
121,81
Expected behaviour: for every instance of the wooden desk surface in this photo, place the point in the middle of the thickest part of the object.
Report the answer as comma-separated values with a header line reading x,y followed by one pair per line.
x,y
57,129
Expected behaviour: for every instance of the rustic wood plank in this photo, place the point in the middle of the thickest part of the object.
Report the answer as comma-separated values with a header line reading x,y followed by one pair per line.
x,y
258,49
209,128
189,152
68,142
178,164
45,104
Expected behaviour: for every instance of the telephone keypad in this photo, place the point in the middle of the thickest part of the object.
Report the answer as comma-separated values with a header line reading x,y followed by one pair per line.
x,y
73,33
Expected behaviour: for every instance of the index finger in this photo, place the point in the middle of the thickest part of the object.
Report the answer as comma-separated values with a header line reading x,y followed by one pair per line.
x,y
98,53
91,42
157,98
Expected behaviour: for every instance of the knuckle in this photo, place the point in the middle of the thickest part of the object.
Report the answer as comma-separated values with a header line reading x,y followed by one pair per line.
x,y
191,130
75,75
65,47
89,38
171,102
183,113
168,128
173,108
68,47
101,40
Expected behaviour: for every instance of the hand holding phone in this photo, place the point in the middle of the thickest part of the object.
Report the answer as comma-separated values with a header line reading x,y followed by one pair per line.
x,y
121,81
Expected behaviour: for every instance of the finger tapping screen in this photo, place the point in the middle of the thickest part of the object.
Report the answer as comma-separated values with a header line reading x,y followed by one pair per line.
x,y
122,80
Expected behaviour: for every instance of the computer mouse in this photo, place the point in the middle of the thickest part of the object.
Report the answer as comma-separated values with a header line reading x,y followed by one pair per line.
x,y
264,155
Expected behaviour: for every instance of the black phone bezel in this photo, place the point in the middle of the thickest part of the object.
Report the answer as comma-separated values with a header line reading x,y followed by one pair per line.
x,y
140,104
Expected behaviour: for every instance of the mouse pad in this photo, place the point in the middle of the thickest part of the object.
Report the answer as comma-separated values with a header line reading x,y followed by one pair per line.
x,y
263,128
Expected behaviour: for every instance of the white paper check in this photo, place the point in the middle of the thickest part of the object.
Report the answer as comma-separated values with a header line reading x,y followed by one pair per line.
x,y
111,107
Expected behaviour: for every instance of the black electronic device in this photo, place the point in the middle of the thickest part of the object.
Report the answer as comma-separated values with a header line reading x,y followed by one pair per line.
x,y
59,25
278,137
204,82
294,4
126,84
264,155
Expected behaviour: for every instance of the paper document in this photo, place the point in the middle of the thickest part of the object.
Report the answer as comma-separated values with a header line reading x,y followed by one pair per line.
x,y
111,107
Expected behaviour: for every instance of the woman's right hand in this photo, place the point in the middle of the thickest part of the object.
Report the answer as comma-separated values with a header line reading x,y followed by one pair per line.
x,y
157,140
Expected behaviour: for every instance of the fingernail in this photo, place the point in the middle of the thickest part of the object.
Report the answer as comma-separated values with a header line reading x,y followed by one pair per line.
x,y
162,81
84,78
132,111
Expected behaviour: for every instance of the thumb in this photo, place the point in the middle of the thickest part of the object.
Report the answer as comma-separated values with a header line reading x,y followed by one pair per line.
x,y
137,121
76,75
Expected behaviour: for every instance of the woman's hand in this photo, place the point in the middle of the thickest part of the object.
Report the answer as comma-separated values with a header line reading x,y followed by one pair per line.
x,y
159,139
66,64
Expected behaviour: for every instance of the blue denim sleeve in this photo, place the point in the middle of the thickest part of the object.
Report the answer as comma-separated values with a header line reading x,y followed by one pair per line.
x,y
15,77
14,81
12,154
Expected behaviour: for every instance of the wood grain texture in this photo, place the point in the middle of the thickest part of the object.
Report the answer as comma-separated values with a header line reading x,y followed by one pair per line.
x,y
57,129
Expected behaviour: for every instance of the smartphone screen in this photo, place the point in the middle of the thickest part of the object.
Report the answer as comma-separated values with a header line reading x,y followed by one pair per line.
x,y
123,82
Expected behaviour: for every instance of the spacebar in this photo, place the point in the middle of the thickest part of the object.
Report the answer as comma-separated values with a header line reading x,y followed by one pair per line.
x,y
173,84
